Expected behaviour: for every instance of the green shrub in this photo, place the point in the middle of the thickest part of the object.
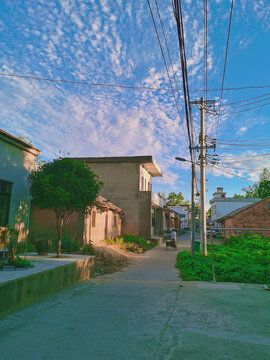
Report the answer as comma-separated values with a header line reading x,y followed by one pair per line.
x,y
132,243
87,249
68,245
18,262
243,259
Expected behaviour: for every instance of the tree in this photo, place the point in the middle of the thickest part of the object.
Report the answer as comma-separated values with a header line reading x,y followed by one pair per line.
x,y
260,189
238,196
175,199
64,186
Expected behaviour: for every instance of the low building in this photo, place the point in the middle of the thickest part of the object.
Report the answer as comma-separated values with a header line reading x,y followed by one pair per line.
x,y
17,159
222,205
252,216
128,183
104,221
183,211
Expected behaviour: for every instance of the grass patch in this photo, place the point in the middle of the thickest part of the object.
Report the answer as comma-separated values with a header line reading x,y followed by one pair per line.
x,y
244,259
132,243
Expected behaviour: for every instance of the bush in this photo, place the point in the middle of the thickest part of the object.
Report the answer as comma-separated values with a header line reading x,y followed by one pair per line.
x,y
132,243
243,259
68,245
87,249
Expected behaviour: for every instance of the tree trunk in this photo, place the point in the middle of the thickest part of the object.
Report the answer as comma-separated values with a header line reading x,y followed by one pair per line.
x,y
59,224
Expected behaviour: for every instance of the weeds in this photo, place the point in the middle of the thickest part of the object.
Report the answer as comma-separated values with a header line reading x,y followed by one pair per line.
x,y
244,259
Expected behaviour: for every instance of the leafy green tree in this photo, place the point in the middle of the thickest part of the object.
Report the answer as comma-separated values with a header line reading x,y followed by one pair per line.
x,y
64,186
175,199
238,196
260,189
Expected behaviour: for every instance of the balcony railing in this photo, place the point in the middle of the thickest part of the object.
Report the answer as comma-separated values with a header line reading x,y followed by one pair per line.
x,y
156,200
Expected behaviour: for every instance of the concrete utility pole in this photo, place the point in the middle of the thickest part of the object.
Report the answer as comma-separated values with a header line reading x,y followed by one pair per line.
x,y
193,179
202,147
202,182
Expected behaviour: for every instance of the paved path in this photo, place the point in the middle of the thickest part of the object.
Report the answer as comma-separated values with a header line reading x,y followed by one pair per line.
x,y
143,312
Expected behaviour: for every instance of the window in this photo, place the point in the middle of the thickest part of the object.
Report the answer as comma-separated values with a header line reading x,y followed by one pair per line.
x,y
5,195
94,219
142,182
149,186
114,221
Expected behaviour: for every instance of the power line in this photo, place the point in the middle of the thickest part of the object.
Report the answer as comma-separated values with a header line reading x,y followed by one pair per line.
x,y
176,4
205,33
240,111
166,67
236,140
250,103
224,69
245,100
125,86
167,47
244,144
228,172
246,157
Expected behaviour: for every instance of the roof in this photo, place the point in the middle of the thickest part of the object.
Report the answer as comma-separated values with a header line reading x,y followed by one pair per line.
x,y
11,139
147,161
237,211
234,199
101,201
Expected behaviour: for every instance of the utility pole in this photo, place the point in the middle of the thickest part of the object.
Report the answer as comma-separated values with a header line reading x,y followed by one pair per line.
x,y
193,179
202,182
202,147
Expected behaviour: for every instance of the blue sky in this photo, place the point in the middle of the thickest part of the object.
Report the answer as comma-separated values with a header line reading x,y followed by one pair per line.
x,y
114,42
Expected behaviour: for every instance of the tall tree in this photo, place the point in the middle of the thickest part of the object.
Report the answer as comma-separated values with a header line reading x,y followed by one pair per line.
x,y
175,199
64,186
260,189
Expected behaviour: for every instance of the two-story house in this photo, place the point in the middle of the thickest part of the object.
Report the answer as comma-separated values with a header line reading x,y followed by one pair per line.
x,y
128,183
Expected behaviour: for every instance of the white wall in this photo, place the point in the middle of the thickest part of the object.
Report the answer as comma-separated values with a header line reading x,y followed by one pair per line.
x,y
222,207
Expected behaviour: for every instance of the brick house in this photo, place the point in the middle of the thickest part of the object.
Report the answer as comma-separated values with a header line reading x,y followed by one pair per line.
x,y
128,183
253,216
104,221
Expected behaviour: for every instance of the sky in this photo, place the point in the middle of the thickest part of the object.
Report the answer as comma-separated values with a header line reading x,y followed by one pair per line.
x,y
114,42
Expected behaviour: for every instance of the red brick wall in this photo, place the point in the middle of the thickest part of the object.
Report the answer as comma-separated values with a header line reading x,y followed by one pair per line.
x,y
256,216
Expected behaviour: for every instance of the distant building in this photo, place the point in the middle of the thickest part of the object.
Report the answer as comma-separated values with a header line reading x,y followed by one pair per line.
x,y
17,159
252,216
222,205
128,184
183,211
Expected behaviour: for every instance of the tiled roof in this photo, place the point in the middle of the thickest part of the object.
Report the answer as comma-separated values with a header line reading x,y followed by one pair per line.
x,y
101,201
237,211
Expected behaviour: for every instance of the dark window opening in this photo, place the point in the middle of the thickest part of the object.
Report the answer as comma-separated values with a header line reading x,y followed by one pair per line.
x,y
5,195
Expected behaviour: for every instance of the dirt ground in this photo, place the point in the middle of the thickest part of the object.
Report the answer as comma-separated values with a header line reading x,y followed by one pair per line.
x,y
110,258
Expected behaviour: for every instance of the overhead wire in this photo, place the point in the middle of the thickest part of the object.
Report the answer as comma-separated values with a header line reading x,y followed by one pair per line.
x,y
131,87
205,36
224,68
245,100
250,103
166,67
177,10
228,172
240,111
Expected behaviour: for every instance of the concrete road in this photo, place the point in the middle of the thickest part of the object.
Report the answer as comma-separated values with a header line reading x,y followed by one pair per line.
x,y
143,312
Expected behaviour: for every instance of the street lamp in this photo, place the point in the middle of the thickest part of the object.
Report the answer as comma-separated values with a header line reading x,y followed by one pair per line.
x,y
193,175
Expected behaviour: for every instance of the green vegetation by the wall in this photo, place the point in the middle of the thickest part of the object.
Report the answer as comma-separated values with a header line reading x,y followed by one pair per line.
x,y
244,259
132,243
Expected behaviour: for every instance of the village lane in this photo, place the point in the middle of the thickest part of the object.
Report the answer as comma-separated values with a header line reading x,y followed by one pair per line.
x,y
143,312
